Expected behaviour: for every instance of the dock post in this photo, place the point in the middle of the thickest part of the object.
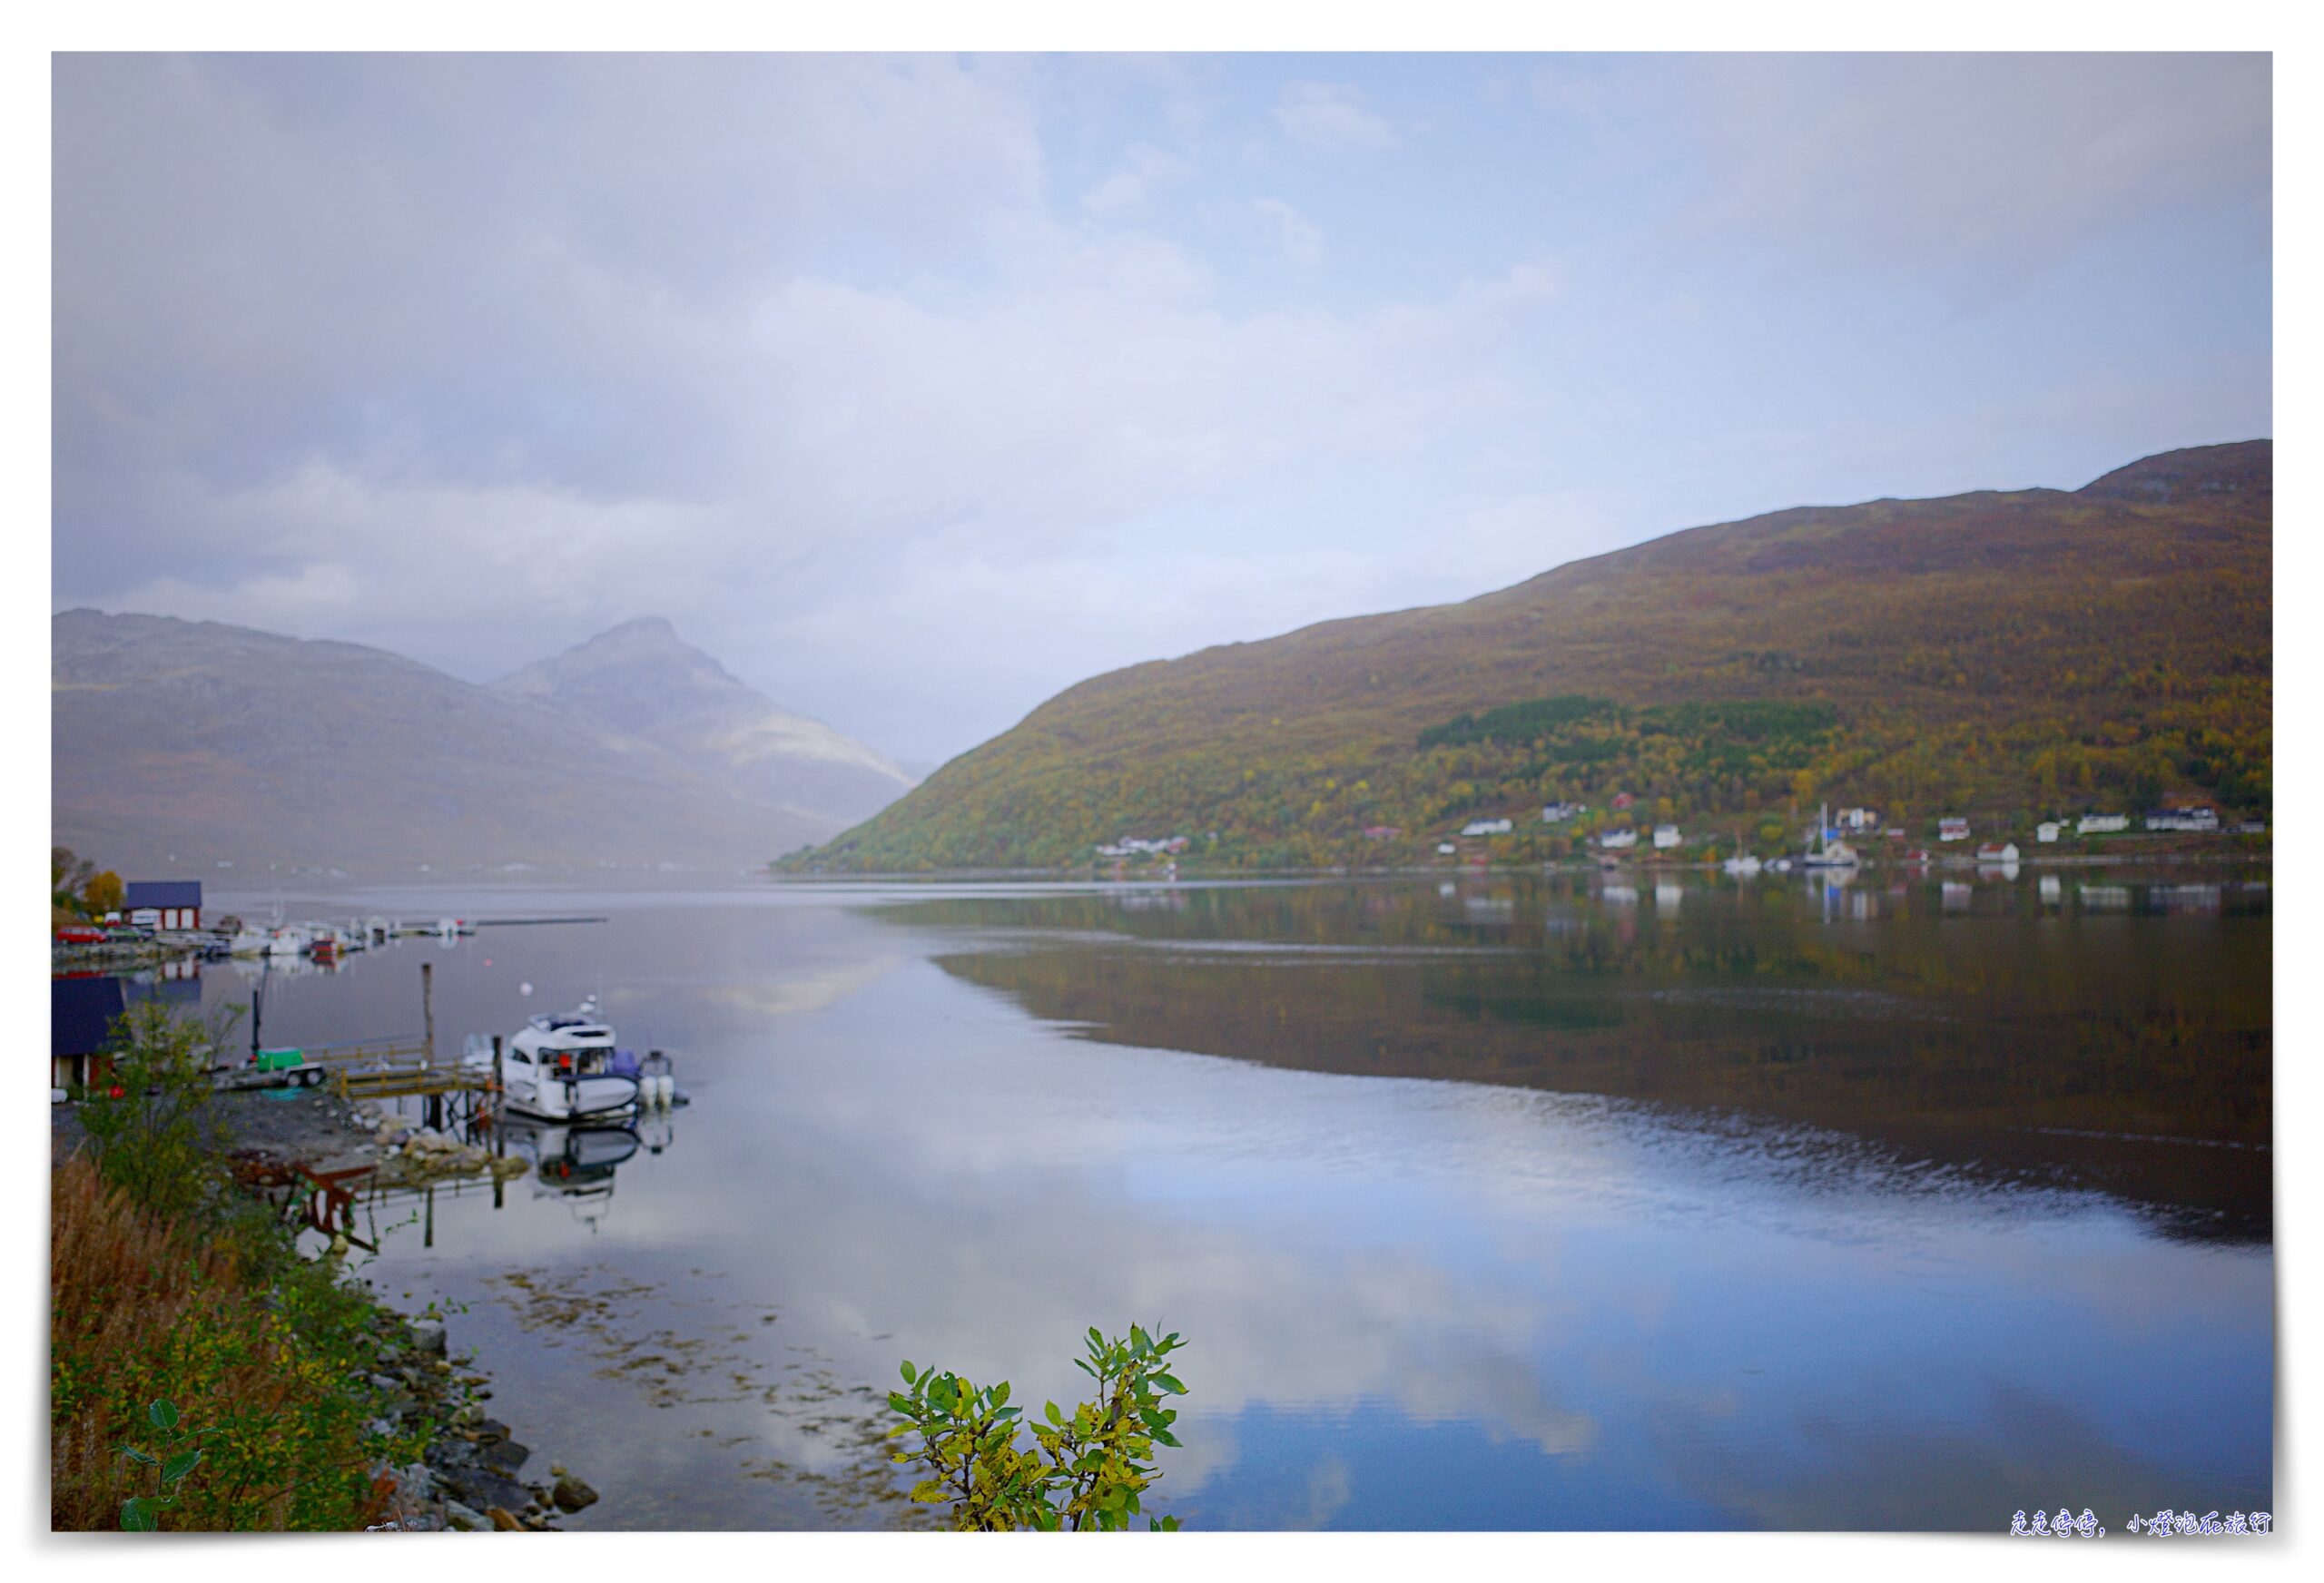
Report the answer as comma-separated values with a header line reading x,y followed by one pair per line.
x,y
499,1133
427,1039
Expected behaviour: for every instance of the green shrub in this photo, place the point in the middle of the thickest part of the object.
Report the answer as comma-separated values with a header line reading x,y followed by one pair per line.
x,y
1087,1469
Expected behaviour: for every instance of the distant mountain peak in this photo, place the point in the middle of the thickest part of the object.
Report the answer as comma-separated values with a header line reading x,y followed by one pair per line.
x,y
645,629
641,678
647,639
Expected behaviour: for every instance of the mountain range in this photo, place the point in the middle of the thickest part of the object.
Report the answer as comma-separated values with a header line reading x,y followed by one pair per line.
x,y
1994,654
186,745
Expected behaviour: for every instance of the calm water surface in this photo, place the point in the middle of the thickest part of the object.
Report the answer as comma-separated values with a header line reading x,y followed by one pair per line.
x,y
1483,1204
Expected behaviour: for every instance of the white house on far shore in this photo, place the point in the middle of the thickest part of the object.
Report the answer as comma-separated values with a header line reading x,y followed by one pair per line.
x,y
1615,839
1666,836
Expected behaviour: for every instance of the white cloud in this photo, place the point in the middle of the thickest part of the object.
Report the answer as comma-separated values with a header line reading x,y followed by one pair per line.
x,y
1332,116
1301,240
1129,189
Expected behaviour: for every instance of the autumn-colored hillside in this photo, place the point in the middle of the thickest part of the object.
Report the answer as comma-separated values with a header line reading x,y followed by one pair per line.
x,y
1998,654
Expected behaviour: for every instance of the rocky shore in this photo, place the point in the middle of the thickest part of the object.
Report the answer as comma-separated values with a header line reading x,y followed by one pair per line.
x,y
469,1478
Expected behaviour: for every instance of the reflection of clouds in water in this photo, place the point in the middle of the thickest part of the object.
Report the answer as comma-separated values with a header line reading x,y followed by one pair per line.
x,y
2005,1453
1329,1489
795,996
929,1172
991,1294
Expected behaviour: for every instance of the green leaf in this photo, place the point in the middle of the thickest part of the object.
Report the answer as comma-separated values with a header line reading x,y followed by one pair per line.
x,y
1001,1395
179,1466
1055,1416
1169,1382
163,1414
910,1375
134,1455
139,1515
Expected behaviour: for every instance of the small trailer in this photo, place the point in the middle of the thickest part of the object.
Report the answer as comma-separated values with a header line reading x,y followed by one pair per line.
x,y
270,1070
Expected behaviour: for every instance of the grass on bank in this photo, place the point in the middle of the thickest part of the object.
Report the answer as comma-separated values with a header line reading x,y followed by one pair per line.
x,y
168,1285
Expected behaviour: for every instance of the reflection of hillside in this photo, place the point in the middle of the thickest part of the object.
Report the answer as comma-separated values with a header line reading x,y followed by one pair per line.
x,y
2012,1046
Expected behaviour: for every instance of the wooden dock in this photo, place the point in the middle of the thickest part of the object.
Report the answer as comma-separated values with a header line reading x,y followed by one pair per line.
x,y
402,1068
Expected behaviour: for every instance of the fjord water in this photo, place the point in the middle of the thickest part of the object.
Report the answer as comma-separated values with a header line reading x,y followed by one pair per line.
x,y
1481,1202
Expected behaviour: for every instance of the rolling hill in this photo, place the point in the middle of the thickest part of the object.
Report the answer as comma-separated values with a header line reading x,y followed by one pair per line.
x,y
1995,653
182,745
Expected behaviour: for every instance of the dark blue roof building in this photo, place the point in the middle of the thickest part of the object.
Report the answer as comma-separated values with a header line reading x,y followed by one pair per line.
x,y
81,1014
162,893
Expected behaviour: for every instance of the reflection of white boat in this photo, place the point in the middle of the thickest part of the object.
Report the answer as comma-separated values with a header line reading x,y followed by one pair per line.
x,y
574,1164
1744,866
562,1067
572,1159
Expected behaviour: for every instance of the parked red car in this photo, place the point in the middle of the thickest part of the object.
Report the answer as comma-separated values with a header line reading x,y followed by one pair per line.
x,y
80,934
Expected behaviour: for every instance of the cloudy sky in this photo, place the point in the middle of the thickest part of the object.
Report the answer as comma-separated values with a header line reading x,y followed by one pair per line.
x,y
916,390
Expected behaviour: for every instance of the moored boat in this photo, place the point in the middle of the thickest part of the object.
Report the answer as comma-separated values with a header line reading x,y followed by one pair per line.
x,y
561,1067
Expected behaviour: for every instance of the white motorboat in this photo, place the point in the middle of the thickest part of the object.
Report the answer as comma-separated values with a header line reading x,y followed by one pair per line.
x,y
562,1066
1744,866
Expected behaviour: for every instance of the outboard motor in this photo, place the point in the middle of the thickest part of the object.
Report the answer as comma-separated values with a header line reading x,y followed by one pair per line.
x,y
657,1083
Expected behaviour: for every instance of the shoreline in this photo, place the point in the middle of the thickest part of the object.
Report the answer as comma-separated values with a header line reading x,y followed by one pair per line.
x,y
469,1476
1455,866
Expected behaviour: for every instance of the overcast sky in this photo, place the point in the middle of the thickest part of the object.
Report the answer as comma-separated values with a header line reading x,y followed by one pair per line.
x,y
918,389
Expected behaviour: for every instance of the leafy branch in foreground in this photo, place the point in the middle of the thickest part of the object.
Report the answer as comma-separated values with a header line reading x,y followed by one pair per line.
x,y
1086,1468
142,1513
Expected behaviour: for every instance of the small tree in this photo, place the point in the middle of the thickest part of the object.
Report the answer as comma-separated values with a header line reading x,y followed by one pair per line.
x,y
67,874
145,1132
104,893
1087,1469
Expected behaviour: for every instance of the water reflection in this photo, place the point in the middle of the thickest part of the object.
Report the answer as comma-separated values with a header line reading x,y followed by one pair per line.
x,y
1861,1009
1688,1253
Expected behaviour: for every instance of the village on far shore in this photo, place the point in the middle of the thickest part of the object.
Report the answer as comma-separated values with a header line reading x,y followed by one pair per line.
x,y
1841,839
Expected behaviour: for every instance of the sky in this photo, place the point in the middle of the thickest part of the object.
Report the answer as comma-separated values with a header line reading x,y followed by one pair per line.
x,y
917,390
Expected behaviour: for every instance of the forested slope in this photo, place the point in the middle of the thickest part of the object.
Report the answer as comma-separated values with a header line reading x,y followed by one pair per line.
x,y
1999,654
